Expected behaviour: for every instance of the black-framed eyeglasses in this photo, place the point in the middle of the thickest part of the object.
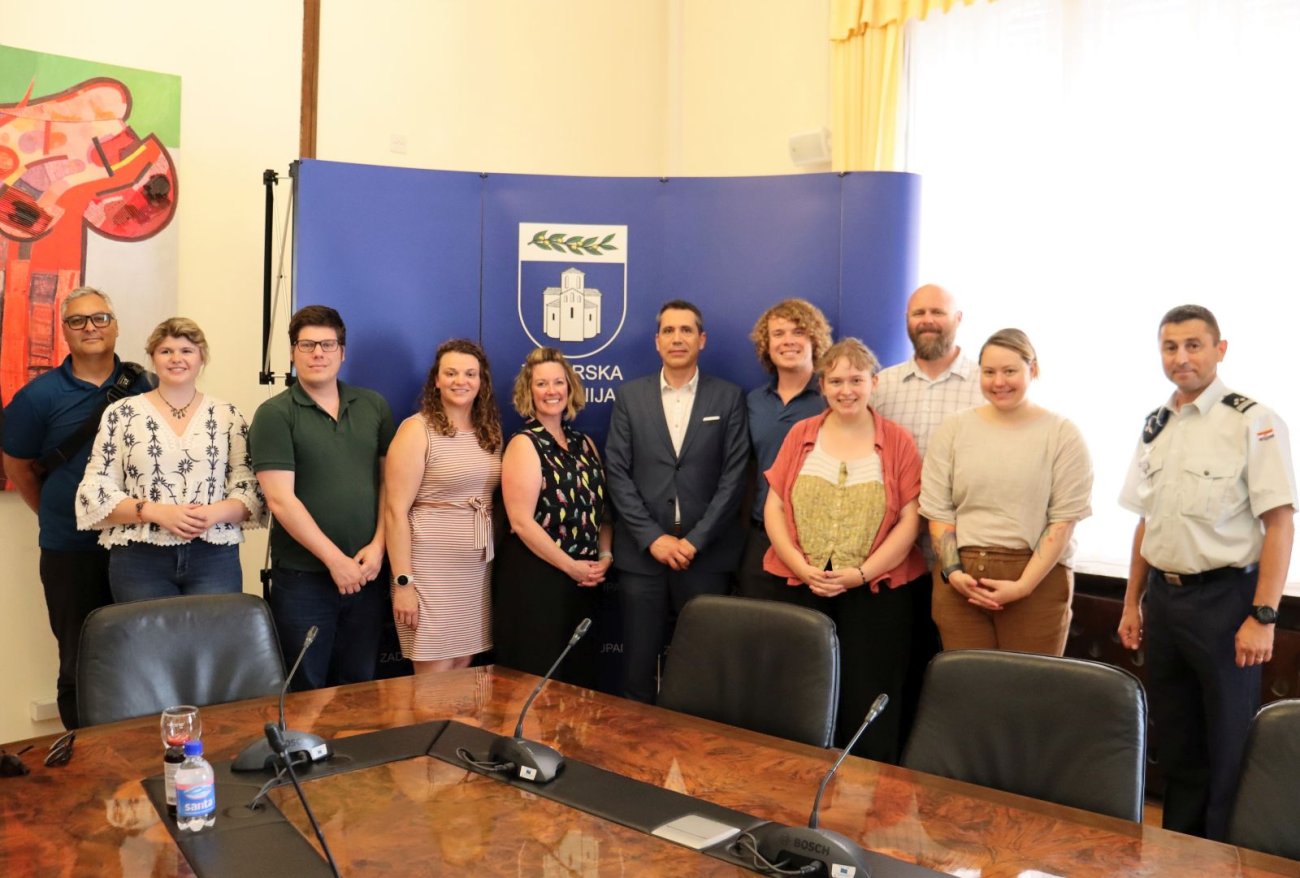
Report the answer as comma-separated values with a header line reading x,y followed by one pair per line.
x,y
61,750
307,346
99,319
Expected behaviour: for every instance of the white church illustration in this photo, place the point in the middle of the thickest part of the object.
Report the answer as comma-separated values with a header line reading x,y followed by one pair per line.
x,y
571,311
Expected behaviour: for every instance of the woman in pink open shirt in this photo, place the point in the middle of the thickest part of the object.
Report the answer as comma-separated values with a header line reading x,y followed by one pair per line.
x,y
842,516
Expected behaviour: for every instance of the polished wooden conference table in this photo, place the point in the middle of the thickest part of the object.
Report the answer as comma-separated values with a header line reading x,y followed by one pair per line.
x,y
427,817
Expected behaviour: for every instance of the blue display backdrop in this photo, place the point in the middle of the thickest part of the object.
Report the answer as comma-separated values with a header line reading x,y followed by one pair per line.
x,y
411,258
397,252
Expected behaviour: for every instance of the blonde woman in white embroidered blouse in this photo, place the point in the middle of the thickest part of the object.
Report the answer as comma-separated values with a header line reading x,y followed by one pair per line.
x,y
169,483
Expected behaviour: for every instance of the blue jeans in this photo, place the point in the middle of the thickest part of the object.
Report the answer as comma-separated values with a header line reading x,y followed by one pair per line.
x,y
140,571
347,648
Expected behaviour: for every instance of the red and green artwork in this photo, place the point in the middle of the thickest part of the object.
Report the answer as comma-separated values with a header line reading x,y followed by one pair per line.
x,y
77,157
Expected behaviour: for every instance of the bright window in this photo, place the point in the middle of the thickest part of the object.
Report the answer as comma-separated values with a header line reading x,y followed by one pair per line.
x,y
1088,164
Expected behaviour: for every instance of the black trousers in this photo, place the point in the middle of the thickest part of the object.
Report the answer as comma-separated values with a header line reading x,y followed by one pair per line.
x,y
76,583
535,609
752,581
1201,702
650,604
875,633
925,646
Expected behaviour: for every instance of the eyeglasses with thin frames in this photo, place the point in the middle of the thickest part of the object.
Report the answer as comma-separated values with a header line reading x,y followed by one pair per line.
x,y
61,750
307,346
99,319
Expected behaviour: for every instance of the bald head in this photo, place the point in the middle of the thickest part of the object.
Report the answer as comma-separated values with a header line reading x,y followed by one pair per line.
x,y
932,321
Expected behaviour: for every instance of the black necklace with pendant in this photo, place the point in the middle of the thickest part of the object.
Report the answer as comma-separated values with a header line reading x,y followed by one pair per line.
x,y
179,413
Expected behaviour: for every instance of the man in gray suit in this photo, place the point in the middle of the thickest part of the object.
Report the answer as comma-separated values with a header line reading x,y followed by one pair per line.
x,y
675,464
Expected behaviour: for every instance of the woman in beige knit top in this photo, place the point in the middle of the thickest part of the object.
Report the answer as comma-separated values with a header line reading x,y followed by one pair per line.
x,y
1002,487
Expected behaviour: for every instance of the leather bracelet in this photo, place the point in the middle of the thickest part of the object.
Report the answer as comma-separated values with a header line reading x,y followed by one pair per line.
x,y
139,511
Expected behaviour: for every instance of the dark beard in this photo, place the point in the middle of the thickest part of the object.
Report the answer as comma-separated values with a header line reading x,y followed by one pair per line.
x,y
932,347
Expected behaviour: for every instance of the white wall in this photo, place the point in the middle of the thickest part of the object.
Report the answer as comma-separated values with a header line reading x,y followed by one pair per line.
x,y
751,74
238,62
495,85
648,87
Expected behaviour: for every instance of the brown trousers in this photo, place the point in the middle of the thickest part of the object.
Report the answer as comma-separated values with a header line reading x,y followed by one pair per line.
x,y
1037,623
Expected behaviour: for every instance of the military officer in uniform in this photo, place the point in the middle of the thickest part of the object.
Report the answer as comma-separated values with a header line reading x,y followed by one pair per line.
x,y
1213,484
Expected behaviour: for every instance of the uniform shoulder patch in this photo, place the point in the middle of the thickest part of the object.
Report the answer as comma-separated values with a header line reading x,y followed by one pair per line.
x,y
1155,422
1241,403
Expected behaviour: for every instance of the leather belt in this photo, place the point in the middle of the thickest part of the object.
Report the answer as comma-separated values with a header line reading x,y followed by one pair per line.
x,y
1207,577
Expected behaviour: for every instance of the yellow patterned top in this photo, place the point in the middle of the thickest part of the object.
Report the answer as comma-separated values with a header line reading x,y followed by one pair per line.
x,y
838,508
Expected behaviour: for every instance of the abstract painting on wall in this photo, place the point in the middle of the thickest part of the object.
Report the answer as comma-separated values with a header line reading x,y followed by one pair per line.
x,y
88,194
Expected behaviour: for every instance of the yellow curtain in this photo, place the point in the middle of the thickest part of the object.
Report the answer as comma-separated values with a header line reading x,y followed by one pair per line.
x,y
866,70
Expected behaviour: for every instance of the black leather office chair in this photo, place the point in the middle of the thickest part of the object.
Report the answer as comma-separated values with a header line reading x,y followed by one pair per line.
x,y
1064,730
140,657
1268,797
761,665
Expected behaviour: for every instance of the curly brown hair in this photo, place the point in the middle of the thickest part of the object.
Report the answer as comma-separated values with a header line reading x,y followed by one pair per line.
x,y
801,313
523,392
484,416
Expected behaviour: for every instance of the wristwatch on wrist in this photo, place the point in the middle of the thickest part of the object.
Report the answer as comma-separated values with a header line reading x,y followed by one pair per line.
x,y
402,580
1264,615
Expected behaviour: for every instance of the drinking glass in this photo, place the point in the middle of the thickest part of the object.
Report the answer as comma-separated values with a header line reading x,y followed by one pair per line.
x,y
180,724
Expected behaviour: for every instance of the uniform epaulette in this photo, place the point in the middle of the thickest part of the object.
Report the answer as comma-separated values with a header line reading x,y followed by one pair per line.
x,y
1236,401
1154,424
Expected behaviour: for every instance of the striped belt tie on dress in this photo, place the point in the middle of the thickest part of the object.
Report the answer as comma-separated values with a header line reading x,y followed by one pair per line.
x,y
482,510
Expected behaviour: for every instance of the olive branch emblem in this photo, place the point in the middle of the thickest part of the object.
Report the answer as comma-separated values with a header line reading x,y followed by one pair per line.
x,y
575,244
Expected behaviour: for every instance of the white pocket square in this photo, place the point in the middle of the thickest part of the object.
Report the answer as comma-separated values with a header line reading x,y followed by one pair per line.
x,y
712,418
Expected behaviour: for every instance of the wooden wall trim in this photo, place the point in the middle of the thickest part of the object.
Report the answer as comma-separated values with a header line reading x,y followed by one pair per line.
x,y
310,78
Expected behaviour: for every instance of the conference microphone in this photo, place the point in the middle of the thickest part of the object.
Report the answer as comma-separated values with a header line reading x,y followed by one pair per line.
x,y
303,746
279,745
809,848
534,761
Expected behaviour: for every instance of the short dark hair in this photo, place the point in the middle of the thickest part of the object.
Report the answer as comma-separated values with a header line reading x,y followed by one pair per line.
x,y
1183,313
317,315
680,305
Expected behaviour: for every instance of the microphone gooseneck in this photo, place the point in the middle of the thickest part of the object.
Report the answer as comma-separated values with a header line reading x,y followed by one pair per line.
x,y
306,645
531,760
803,850
577,635
259,756
877,707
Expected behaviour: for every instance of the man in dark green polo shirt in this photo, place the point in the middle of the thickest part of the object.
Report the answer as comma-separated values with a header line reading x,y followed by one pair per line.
x,y
318,450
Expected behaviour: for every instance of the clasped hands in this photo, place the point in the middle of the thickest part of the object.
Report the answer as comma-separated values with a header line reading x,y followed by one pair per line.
x,y
587,573
351,573
185,520
675,552
987,594
831,583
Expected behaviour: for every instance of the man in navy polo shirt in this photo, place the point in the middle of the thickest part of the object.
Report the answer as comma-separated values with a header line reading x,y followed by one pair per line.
x,y
39,422
789,338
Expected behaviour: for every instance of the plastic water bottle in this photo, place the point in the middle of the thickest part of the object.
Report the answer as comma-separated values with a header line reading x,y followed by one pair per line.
x,y
196,792
179,724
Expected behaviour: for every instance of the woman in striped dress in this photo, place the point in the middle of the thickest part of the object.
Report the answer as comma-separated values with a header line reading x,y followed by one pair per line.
x,y
442,467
